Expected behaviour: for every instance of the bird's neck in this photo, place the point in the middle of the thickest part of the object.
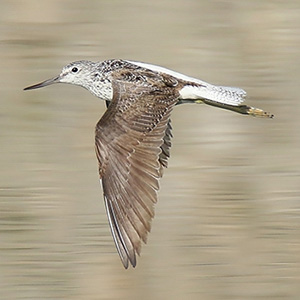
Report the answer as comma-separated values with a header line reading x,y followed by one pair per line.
x,y
102,90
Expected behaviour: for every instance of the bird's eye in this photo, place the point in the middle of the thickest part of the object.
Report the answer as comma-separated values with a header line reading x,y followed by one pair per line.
x,y
75,70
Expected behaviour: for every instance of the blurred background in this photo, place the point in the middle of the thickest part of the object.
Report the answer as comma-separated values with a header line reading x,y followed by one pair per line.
x,y
227,223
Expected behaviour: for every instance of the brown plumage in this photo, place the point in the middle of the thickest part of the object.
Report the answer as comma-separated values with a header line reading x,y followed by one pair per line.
x,y
132,145
133,138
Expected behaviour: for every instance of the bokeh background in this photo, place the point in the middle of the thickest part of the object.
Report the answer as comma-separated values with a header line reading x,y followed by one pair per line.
x,y
227,224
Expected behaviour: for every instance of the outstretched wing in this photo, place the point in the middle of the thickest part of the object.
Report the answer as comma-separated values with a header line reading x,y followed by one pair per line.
x,y
129,139
165,147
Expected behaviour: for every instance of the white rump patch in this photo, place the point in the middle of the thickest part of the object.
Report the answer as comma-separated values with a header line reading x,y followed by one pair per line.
x,y
201,89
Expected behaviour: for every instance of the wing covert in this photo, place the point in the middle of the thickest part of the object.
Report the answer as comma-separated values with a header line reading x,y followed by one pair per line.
x,y
132,144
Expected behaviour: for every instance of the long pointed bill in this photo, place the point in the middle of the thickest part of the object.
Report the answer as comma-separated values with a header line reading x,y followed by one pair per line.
x,y
42,84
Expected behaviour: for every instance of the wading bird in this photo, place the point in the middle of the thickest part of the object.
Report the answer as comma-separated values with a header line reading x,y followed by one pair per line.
x,y
133,137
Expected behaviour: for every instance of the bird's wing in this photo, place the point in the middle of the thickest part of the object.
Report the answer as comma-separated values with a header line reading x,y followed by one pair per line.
x,y
129,139
165,147
198,89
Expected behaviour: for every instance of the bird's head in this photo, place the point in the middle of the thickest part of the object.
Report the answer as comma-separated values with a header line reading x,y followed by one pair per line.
x,y
78,73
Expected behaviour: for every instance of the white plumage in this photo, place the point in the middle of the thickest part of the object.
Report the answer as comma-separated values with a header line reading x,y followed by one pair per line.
x,y
201,90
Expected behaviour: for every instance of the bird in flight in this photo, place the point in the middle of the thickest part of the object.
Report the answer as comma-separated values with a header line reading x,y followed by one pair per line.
x,y
133,137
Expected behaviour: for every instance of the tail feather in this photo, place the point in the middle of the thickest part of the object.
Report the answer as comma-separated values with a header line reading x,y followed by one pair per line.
x,y
222,94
